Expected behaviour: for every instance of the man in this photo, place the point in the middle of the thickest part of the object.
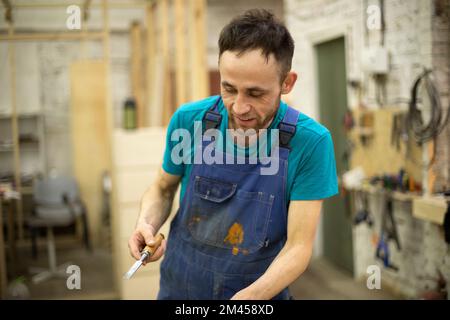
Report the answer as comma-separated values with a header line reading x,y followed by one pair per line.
x,y
240,233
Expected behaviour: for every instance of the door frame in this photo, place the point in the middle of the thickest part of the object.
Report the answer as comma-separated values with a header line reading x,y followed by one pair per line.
x,y
314,38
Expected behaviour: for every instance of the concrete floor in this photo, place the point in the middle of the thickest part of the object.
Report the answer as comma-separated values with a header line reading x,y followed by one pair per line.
x,y
324,281
321,280
96,273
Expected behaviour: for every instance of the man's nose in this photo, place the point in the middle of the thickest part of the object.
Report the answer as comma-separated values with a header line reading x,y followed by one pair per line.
x,y
240,106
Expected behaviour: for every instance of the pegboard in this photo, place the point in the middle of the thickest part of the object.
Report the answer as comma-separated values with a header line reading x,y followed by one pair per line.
x,y
378,156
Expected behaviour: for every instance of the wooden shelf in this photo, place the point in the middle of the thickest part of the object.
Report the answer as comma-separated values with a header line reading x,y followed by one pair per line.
x,y
428,208
7,116
396,195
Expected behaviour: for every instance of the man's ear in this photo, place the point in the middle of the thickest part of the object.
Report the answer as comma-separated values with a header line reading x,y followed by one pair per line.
x,y
289,82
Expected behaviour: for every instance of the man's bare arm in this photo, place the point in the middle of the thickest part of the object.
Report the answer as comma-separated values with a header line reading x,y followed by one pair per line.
x,y
294,258
156,204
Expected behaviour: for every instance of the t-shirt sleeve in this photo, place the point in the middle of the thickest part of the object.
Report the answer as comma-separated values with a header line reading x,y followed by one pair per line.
x,y
170,163
316,176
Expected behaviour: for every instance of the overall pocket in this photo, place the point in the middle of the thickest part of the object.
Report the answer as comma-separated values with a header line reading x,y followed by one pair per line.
x,y
221,215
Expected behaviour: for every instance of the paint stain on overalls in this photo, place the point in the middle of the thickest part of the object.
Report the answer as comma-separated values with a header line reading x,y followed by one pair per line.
x,y
235,237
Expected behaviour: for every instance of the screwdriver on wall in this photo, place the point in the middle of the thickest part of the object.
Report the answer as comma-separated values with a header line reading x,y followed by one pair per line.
x,y
145,254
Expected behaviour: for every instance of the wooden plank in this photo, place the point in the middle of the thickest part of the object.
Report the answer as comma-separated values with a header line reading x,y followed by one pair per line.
x,y
156,92
180,52
137,76
150,62
430,209
167,86
137,159
198,57
52,36
84,29
132,148
430,174
131,185
109,130
126,4
90,138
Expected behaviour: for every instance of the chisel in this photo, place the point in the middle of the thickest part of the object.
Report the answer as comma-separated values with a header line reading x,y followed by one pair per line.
x,y
146,253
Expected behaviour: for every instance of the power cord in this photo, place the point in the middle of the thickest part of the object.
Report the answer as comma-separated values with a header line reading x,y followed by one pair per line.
x,y
426,132
414,120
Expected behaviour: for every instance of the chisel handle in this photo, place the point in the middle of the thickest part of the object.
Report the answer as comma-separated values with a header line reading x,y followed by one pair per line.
x,y
150,250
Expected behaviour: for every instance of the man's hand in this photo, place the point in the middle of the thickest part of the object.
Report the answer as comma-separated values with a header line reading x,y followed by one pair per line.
x,y
292,260
245,294
155,208
144,235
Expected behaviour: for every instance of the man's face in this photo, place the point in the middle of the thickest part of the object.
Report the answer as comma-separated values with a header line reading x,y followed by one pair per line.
x,y
250,88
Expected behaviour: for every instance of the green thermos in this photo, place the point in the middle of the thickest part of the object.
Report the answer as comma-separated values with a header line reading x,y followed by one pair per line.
x,y
129,114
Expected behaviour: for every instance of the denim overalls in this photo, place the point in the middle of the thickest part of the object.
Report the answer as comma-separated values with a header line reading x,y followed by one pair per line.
x,y
231,224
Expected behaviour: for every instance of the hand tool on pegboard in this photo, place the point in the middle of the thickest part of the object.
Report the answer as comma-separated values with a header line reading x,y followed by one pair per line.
x,y
388,232
362,207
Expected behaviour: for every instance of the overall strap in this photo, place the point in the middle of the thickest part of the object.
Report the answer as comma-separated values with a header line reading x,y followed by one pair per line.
x,y
288,127
212,117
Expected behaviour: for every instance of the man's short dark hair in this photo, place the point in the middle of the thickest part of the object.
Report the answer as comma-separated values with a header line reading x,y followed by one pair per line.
x,y
259,29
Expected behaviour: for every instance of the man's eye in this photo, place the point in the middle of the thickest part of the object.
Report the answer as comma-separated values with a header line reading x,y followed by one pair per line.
x,y
230,90
255,95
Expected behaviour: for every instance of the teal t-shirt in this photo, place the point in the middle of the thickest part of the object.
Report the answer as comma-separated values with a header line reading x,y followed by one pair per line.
x,y
311,162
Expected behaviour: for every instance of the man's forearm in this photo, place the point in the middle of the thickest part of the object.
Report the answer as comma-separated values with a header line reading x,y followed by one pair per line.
x,y
288,265
156,205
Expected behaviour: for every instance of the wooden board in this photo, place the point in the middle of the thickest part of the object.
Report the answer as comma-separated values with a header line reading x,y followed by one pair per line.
x,y
90,139
198,59
165,51
180,52
431,209
137,74
137,158
150,58
378,156
137,148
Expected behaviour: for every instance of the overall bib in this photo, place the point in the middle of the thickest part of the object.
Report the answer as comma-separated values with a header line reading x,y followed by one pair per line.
x,y
231,224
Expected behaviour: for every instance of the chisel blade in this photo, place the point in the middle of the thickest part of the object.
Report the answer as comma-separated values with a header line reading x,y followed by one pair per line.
x,y
133,269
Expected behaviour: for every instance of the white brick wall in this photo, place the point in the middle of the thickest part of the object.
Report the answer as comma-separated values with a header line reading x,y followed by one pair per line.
x,y
47,83
415,39
441,63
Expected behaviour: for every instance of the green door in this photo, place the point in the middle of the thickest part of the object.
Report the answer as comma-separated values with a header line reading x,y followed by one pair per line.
x,y
332,86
